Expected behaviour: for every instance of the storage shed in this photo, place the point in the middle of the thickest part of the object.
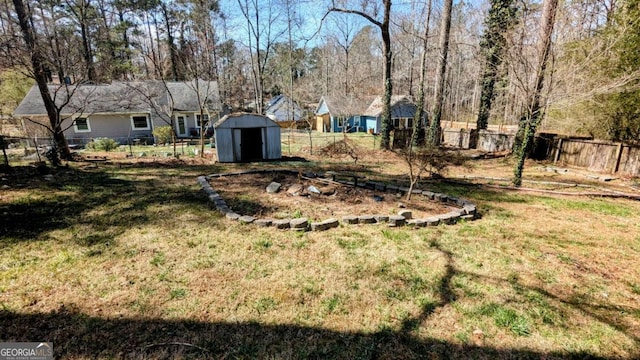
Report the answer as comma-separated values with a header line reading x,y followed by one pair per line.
x,y
247,137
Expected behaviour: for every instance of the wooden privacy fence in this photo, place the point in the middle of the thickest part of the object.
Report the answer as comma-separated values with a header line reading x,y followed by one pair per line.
x,y
597,155
485,140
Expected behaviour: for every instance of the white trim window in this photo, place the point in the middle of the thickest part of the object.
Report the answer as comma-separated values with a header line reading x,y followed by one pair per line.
x,y
140,122
81,125
206,120
341,121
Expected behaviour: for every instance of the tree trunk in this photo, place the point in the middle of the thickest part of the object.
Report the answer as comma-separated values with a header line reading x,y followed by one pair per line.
x,y
445,28
418,129
385,130
173,53
385,141
534,115
500,17
39,72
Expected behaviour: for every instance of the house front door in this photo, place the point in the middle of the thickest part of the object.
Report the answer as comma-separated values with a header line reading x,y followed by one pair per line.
x,y
181,125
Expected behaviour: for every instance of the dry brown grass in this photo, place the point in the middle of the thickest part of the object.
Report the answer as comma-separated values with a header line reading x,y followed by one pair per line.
x,y
127,260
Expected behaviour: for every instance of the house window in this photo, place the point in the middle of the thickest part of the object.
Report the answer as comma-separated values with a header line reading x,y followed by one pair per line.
x,y
198,118
140,122
81,125
356,121
410,123
341,121
396,123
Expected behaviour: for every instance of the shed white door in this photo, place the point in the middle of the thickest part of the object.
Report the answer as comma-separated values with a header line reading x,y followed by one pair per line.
x,y
237,145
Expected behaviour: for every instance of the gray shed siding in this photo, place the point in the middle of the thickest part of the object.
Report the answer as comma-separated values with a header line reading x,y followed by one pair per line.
x,y
228,137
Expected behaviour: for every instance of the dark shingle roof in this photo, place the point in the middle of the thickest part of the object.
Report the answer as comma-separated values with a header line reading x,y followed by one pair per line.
x,y
375,108
122,97
344,106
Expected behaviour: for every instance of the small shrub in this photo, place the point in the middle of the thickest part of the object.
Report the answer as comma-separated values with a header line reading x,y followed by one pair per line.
x,y
164,134
102,144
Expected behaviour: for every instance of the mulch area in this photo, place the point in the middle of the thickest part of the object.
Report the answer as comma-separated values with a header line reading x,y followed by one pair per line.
x,y
246,194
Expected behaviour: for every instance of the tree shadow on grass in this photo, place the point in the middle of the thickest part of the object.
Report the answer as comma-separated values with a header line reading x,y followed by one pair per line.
x,y
68,201
77,335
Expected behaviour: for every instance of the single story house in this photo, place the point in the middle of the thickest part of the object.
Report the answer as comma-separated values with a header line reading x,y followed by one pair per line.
x,y
347,114
243,137
339,114
126,111
283,110
403,111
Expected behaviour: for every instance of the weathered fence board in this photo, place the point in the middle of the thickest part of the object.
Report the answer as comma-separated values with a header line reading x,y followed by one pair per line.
x,y
600,156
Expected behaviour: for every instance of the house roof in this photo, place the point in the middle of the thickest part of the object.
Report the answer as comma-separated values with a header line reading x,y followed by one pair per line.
x,y
375,108
122,97
280,106
343,105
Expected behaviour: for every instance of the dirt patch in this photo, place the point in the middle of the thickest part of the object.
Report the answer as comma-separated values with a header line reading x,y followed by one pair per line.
x,y
246,194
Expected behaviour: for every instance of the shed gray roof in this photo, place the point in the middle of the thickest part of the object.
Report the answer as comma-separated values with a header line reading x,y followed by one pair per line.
x,y
244,120
375,108
123,97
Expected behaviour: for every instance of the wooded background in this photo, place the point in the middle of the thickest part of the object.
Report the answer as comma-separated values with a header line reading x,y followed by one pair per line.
x,y
256,49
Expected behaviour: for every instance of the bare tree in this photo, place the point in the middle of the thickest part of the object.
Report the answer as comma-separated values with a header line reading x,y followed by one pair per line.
x,y
534,114
418,131
262,34
383,26
445,28
39,72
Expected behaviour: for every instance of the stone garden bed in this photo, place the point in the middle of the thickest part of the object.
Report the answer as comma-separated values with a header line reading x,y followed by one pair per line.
x,y
287,199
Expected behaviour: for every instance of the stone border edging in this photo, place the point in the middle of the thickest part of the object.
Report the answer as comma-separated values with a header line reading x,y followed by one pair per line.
x,y
466,209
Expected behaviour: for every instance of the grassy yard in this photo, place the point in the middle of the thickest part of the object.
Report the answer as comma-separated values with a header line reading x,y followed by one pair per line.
x,y
126,259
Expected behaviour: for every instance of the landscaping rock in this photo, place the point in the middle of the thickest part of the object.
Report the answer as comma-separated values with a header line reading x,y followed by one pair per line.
x,y
417,223
263,222
396,220
295,189
324,225
381,218
440,197
273,188
428,194
403,189
314,190
328,190
350,219
246,219
407,214
299,224
469,217
378,198
366,219
402,206
469,209
232,216
392,188
281,224
432,221
449,218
